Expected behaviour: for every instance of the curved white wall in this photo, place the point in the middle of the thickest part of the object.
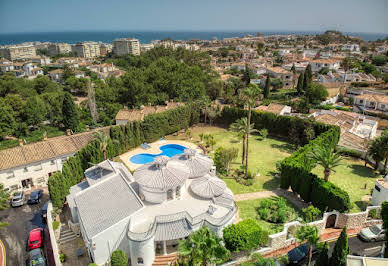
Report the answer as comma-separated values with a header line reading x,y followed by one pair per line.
x,y
153,197
144,250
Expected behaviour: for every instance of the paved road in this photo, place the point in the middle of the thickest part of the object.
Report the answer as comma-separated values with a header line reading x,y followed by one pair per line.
x,y
21,221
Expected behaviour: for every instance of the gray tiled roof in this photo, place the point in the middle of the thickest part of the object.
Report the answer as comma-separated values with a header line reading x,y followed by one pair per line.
x,y
79,187
208,186
172,230
105,204
199,164
161,174
99,172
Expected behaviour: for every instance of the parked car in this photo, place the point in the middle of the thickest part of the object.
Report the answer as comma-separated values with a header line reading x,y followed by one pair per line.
x,y
35,196
300,253
35,239
18,199
373,233
36,257
43,211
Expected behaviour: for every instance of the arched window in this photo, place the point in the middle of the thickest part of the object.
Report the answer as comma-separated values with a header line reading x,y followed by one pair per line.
x,y
178,192
170,194
140,261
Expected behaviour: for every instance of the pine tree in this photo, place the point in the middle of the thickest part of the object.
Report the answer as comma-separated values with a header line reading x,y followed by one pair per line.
x,y
323,256
341,250
70,114
267,87
299,86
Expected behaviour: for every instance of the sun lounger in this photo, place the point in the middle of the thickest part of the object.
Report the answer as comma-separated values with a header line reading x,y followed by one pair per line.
x,y
145,146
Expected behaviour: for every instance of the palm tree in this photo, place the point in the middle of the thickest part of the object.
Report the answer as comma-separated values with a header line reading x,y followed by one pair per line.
x,y
250,95
203,248
379,150
102,140
310,235
242,129
327,158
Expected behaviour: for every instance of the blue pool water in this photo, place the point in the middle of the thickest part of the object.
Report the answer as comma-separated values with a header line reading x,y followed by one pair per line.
x,y
168,150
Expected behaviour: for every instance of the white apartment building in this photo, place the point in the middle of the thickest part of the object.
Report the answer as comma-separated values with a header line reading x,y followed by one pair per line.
x,y
31,165
59,48
351,47
18,52
126,46
318,64
87,49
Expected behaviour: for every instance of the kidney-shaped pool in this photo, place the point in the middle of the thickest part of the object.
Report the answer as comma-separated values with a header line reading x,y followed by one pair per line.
x,y
168,150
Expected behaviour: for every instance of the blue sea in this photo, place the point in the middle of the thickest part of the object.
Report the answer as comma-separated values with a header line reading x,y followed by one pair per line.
x,y
148,36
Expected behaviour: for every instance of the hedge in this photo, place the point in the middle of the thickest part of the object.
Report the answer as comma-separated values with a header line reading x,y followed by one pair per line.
x,y
245,235
122,138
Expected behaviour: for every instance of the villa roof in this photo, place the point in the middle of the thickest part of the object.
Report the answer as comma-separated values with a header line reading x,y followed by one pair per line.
x,y
373,98
45,150
199,164
138,114
105,204
272,108
208,186
172,230
162,174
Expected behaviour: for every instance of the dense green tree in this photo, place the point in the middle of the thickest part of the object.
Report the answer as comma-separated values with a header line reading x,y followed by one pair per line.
x,y
4,198
379,60
384,217
43,84
35,111
325,156
76,86
246,78
378,150
69,113
308,234
299,85
67,72
7,119
341,250
307,77
202,247
267,87
323,256
315,93
119,258
277,84
53,101
223,157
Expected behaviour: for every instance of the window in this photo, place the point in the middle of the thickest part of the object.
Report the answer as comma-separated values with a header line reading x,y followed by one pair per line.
x,y
377,188
382,106
25,169
52,162
361,101
140,261
10,175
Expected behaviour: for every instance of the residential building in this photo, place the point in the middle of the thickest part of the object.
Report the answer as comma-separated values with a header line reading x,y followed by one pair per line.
x,y
378,102
318,64
351,47
275,108
106,70
281,73
126,46
18,52
146,46
125,116
342,77
59,48
147,213
105,49
41,60
32,164
87,49
22,69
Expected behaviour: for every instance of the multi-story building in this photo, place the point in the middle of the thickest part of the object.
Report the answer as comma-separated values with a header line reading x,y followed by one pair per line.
x,y
126,46
59,48
18,52
87,49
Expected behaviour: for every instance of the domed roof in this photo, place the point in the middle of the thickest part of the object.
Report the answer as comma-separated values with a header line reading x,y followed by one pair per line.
x,y
163,174
208,186
198,164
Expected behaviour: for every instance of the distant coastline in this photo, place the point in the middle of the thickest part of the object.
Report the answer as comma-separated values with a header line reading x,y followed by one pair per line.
x,y
148,36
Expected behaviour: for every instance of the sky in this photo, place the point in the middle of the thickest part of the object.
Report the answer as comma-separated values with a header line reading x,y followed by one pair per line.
x,y
197,15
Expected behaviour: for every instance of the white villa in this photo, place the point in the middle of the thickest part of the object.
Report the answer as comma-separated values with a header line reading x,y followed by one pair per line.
x,y
145,214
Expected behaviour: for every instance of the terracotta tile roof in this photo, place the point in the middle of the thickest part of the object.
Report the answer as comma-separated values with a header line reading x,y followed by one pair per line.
x,y
137,114
45,150
272,108
373,98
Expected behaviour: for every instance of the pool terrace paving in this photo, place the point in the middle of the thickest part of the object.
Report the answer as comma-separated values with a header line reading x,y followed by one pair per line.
x,y
155,149
188,202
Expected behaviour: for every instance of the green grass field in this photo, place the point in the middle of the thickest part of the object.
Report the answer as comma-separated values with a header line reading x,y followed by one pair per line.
x,y
263,156
352,176
247,209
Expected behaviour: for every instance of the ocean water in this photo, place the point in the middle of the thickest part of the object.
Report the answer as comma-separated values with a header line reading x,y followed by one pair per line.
x,y
147,36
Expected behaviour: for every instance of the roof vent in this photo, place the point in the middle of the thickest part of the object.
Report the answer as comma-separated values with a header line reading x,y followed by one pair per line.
x,y
161,161
189,153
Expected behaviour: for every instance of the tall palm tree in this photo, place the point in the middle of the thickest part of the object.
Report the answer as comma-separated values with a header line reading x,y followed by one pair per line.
x,y
102,140
203,248
242,129
379,150
308,234
326,157
250,95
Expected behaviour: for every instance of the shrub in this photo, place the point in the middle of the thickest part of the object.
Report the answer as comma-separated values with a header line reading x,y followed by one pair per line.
x,y
223,157
349,152
246,235
55,225
119,258
310,214
275,210
62,257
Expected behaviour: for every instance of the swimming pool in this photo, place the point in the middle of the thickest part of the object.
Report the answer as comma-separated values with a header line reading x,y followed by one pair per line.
x,y
168,150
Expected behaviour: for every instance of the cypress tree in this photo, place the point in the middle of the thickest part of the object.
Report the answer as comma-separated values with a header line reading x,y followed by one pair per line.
x,y
384,217
341,250
266,88
299,86
323,256
247,76
308,77
69,112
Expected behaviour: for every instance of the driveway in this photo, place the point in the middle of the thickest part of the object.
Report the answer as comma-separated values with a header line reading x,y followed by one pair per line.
x,y
21,221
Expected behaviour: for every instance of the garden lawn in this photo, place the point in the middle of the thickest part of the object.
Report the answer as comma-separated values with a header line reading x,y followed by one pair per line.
x,y
247,209
352,176
263,155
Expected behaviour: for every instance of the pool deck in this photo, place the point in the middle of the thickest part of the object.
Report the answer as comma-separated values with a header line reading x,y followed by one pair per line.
x,y
153,150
